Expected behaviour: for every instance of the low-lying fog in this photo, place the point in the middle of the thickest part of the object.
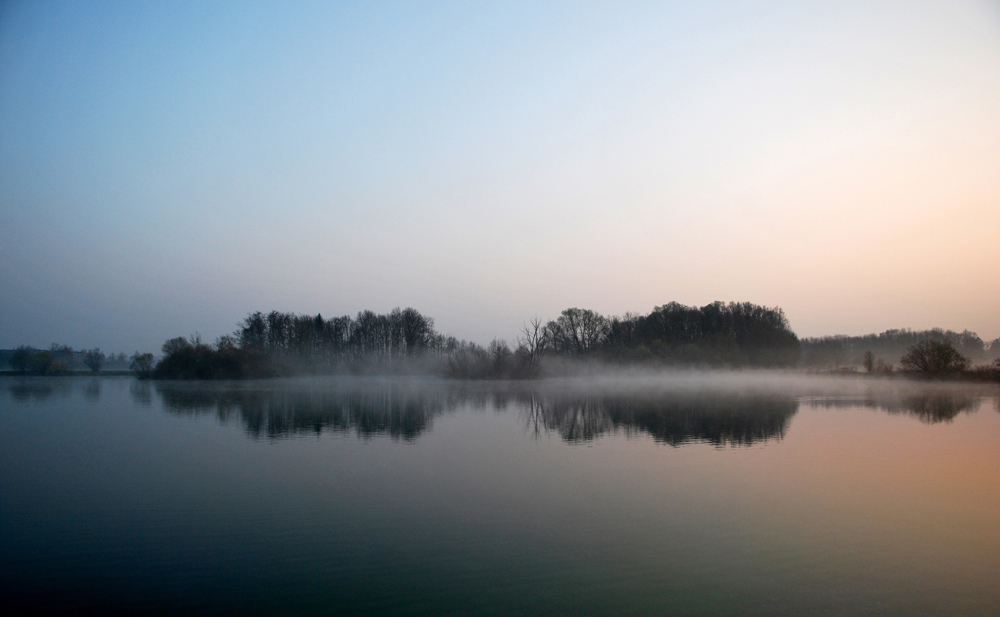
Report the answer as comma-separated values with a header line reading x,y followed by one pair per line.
x,y
674,407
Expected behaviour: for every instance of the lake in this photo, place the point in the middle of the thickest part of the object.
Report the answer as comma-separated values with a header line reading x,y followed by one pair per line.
x,y
649,494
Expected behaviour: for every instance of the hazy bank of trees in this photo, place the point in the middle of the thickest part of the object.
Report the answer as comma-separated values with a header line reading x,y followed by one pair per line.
x,y
889,346
711,414
930,353
404,340
737,334
718,335
372,409
273,344
60,360
941,359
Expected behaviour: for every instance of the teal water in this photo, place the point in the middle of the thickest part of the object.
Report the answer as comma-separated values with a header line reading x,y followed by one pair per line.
x,y
680,495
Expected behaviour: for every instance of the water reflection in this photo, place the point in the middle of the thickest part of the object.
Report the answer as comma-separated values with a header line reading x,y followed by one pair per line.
x,y
402,412
142,392
936,407
119,475
722,417
734,414
24,389
930,406
92,389
397,412
719,418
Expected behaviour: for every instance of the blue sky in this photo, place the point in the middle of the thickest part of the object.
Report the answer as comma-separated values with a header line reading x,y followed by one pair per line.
x,y
167,167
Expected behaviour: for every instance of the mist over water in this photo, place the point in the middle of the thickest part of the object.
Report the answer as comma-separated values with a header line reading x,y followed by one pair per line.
x,y
707,308
723,408
693,492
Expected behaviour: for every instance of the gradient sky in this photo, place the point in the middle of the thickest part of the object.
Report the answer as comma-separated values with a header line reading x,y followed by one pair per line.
x,y
167,167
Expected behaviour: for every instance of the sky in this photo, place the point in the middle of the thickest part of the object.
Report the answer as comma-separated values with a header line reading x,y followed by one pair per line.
x,y
168,167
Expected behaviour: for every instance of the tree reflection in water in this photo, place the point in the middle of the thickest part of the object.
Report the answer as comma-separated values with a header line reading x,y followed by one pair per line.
x,y
24,389
403,410
930,404
397,412
404,413
92,389
720,419
936,407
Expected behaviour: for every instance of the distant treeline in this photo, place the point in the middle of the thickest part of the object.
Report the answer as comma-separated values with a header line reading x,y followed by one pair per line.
x,y
733,335
276,343
891,345
60,360
369,336
736,334
404,340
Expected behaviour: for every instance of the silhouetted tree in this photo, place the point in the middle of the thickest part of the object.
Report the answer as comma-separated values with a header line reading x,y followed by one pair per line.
x,y
252,332
417,330
930,357
501,356
142,365
93,358
869,361
532,341
577,331
20,360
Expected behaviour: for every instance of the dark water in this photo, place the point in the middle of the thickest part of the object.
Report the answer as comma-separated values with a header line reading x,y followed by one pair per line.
x,y
682,495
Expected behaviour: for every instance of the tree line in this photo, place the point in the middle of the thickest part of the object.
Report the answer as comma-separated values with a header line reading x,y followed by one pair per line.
x,y
397,334
890,346
717,334
62,360
404,340
734,334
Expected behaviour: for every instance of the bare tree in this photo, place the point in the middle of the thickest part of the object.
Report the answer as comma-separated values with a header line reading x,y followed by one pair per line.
x,y
94,359
500,354
932,357
532,340
142,365
869,361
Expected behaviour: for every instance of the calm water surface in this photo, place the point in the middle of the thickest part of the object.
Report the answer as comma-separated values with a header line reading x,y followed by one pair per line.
x,y
706,494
